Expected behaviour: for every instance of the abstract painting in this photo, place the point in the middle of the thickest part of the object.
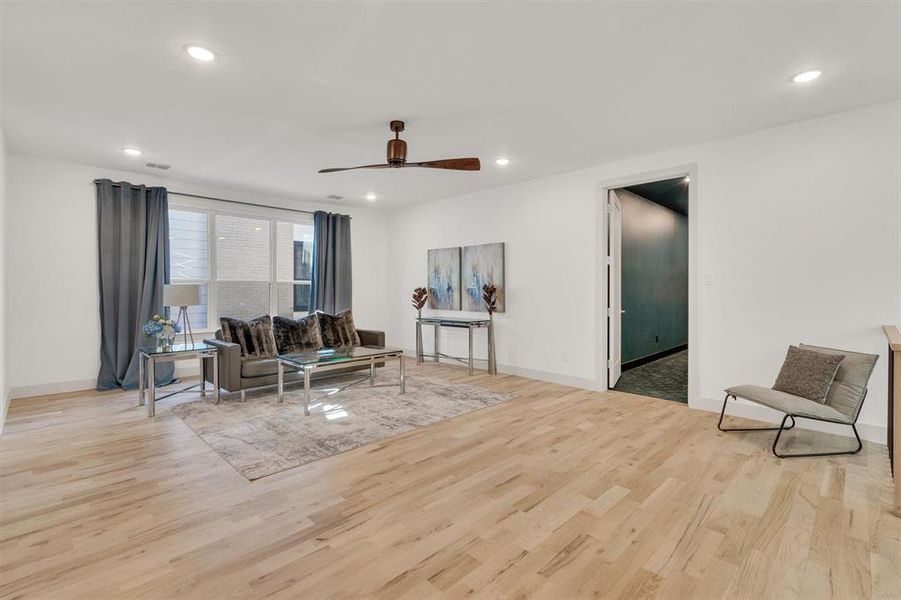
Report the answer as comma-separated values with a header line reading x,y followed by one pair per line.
x,y
481,265
444,278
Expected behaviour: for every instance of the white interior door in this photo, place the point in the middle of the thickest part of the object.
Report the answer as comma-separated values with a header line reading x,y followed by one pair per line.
x,y
614,288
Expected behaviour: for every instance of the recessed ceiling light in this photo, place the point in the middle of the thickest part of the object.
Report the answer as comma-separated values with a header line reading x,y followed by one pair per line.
x,y
502,161
687,179
371,196
132,151
806,76
200,53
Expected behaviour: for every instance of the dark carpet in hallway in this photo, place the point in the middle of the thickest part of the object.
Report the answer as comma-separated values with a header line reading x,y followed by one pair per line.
x,y
665,378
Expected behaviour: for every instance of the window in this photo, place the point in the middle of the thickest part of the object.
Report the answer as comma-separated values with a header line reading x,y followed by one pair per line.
x,y
189,258
246,264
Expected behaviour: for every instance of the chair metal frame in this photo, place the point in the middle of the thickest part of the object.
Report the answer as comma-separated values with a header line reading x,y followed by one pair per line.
x,y
782,428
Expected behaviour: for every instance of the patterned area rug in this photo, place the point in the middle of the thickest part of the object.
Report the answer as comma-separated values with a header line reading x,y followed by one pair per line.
x,y
665,378
261,437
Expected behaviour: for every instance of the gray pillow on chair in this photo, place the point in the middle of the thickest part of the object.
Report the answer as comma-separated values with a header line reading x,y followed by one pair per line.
x,y
807,373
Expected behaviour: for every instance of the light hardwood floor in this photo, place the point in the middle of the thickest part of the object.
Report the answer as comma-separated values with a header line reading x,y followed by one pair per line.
x,y
560,493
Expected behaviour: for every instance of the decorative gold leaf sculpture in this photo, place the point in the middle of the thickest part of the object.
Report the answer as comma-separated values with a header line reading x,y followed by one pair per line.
x,y
420,296
489,297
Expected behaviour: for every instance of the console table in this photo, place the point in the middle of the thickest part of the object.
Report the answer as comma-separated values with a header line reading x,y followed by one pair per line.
x,y
456,323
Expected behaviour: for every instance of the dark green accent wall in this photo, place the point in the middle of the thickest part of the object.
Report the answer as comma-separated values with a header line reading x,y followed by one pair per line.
x,y
655,277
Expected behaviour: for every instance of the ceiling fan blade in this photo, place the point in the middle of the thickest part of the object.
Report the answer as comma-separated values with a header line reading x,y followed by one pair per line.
x,y
456,164
335,170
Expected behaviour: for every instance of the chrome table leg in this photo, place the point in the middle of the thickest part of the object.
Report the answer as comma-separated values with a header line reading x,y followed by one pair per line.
x,y
470,350
306,391
437,342
151,384
202,377
281,381
140,379
216,375
403,379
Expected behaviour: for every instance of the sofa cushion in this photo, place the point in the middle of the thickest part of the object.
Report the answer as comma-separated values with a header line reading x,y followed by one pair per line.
x,y
255,336
338,330
787,403
807,373
260,368
299,335
850,384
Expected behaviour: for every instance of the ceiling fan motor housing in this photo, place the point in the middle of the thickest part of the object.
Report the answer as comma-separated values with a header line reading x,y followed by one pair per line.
x,y
397,152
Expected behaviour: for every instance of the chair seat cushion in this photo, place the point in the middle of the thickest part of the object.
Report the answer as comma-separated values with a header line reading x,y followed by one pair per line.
x,y
787,403
259,368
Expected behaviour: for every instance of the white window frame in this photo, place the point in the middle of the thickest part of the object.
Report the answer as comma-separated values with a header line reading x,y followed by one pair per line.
x,y
212,208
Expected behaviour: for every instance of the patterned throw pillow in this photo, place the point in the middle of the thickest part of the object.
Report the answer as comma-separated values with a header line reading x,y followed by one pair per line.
x,y
338,330
301,335
255,336
807,373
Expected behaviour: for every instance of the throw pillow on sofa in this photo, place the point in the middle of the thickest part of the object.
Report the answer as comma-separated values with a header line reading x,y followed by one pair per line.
x,y
338,330
255,336
302,335
807,373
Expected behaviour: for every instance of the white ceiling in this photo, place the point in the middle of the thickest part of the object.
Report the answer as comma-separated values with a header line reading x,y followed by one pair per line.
x,y
299,87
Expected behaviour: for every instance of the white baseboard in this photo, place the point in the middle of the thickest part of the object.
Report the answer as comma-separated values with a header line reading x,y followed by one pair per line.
x,y
579,382
58,387
84,385
741,408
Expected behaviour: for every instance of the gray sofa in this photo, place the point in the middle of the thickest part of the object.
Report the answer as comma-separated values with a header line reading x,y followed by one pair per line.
x,y
237,375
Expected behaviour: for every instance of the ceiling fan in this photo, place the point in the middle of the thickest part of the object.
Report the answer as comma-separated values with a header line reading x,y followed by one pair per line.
x,y
397,157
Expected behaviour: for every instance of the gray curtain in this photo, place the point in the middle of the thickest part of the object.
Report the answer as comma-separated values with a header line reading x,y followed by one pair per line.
x,y
133,237
331,281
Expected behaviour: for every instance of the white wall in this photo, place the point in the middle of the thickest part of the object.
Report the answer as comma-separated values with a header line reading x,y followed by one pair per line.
x,y
4,381
797,228
52,268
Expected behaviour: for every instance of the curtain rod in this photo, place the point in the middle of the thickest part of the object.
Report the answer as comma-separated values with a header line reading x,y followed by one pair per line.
x,y
309,212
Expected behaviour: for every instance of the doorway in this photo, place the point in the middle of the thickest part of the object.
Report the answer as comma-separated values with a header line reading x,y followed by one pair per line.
x,y
648,288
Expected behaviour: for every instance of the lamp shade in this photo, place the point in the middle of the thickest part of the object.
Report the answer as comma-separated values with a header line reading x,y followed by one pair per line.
x,y
186,294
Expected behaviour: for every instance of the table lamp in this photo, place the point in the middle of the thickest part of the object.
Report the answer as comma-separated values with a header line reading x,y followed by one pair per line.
x,y
182,296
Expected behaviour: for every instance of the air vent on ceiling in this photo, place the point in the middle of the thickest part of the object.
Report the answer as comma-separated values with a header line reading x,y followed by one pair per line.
x,y
335,197
162,167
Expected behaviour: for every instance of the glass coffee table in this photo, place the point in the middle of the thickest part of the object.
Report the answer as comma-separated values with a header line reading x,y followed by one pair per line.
x,y
331,359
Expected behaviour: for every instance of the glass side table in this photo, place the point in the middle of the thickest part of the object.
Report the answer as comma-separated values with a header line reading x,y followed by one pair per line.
x,y
150,355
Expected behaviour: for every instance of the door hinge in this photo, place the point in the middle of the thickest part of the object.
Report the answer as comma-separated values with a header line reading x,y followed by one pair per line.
x,y
609,261
609,313
609,364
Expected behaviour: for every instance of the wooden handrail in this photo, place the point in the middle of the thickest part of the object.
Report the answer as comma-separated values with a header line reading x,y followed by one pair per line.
x,y
894,409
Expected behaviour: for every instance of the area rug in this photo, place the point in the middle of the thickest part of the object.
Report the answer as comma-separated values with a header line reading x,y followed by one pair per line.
x,y
261,437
